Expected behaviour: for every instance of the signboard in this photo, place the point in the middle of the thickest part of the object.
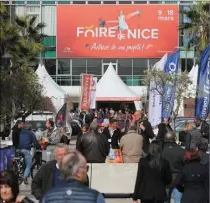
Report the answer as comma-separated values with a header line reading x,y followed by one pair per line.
x,y
116,31
86,92
93,93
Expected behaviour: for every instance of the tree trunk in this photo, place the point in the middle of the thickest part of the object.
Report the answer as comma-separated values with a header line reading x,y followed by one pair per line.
x,y
173,119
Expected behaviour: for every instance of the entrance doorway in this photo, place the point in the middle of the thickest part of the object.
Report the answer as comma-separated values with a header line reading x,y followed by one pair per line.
x,y
106,65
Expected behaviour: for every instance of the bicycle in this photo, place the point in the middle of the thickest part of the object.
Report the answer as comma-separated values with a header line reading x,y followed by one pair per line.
x,y
37,162
18,165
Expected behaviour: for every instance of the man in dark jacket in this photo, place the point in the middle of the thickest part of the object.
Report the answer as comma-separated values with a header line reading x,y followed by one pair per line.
x,y
16,133
93,145
163,128
144,128
203,127
48,175
113,134
174,154
193,138
74,170
203,148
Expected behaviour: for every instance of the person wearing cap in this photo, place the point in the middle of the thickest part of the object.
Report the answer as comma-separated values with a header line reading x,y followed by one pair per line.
x,y
93,145
174,154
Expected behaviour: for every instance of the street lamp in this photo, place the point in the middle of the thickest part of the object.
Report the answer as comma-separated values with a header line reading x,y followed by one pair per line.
x,y
8,57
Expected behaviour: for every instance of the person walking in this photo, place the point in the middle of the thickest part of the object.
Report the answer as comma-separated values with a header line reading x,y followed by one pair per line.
x,y
152,176
63,137
203,127
16,133
203,148
48,175
93,145
163,128
27,140
131,145
74,170
144,128
193,179
113,134
51,137
174,154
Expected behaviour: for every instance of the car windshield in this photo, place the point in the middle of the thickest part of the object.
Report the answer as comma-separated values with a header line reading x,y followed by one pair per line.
x,y
37,124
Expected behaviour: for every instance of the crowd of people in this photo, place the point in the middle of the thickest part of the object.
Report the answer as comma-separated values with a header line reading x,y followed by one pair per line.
x,y
166,168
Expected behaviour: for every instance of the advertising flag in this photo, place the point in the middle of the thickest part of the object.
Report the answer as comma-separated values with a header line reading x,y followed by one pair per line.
x,y
202,100
171,67
61,116
86,92
155,100
93,94
116,31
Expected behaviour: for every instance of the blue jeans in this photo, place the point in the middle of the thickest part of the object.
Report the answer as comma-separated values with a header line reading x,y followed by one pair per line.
x,y
177,196
28,160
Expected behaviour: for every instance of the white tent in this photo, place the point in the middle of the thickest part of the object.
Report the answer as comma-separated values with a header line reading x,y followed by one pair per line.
x,y
193,75
51,88
111,88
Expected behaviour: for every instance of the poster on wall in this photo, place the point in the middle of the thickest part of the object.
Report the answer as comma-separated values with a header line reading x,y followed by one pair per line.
x,y
116,31
86,89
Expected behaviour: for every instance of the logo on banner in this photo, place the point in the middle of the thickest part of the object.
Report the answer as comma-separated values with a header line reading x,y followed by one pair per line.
x,y
67,49
172,67
116,30
205,109
86,92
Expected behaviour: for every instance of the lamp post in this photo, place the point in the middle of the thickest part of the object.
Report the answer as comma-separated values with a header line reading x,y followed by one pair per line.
x,y
8,57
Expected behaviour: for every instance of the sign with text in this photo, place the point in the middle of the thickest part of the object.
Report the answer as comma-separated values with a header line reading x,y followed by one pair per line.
x,y
119,31
86,88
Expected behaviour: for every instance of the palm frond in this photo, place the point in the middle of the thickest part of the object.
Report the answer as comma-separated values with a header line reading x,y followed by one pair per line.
x,y
32,20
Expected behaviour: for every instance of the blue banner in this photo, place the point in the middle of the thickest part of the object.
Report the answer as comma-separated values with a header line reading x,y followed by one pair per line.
x,y
202,99
171,67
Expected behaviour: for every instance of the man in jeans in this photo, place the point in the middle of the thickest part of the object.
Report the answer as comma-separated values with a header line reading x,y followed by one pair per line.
x,y
27,139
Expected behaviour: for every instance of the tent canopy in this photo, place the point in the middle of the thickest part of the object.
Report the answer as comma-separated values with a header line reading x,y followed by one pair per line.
x,y
51,88
111,88
193,75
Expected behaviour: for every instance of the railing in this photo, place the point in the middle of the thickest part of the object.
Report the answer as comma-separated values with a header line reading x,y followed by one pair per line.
x,y
130,80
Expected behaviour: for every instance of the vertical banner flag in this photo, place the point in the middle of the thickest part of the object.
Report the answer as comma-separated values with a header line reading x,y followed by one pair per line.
x,y
155,100
93,94
171,67
61,116
86,92
202,100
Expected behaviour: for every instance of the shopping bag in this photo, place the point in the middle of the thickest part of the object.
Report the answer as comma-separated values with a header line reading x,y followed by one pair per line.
x,y
115,156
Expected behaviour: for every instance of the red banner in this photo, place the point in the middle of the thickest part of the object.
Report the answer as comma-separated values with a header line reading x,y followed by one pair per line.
x,y
116,31
86,92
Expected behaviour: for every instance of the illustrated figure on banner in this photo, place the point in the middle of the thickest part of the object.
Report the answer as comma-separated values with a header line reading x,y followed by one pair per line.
x,y
121,21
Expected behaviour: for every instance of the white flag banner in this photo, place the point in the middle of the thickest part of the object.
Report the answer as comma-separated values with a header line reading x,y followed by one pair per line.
x,y
93,94
155,100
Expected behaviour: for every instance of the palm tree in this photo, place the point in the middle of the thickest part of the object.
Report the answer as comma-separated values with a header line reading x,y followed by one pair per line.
x,y
197,27
22,40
